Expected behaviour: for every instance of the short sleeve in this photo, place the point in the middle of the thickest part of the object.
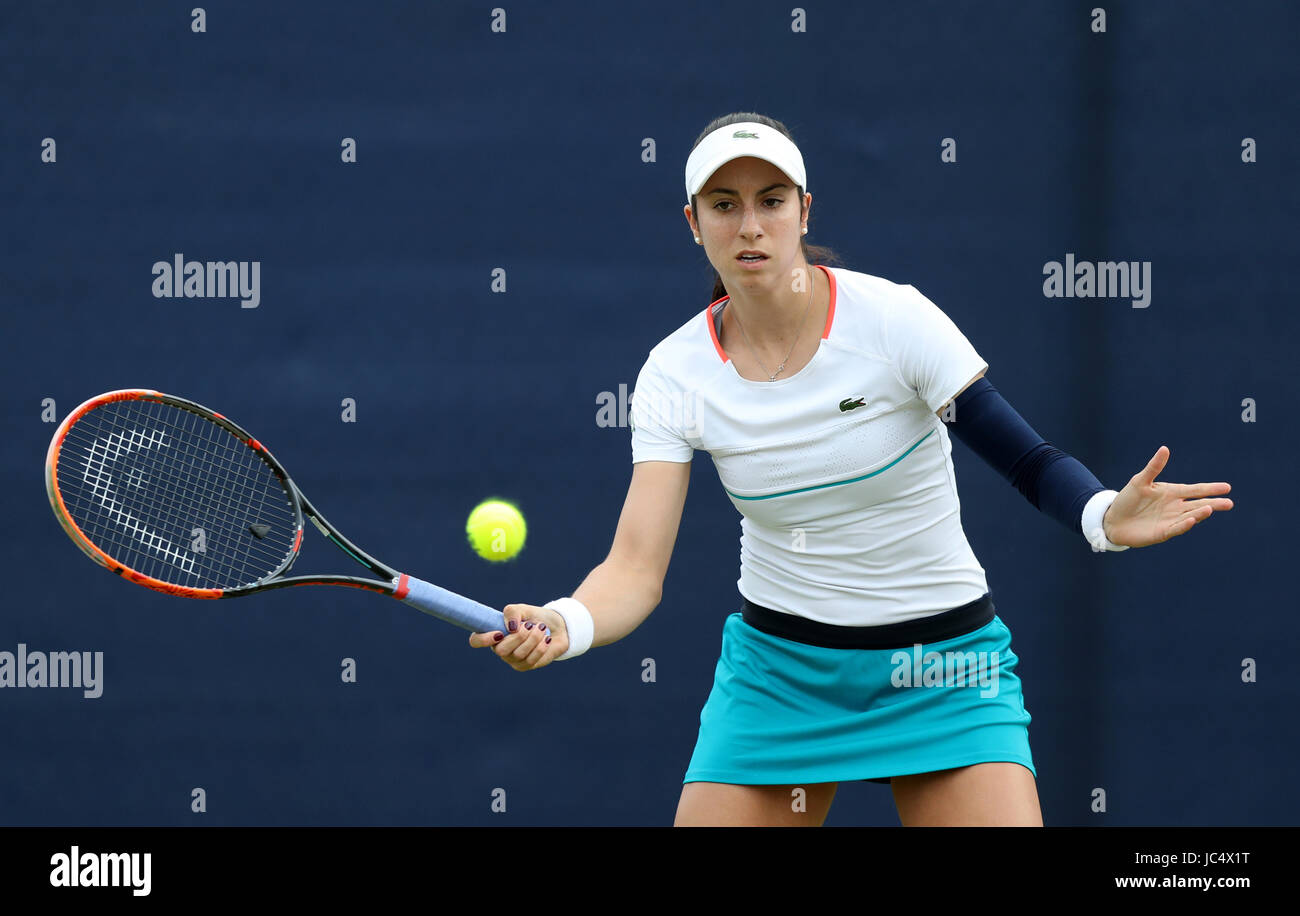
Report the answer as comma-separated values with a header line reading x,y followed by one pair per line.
x,y
657,418
931,355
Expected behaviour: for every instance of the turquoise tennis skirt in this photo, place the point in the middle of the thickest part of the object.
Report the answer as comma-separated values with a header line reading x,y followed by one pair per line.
x,y
786,713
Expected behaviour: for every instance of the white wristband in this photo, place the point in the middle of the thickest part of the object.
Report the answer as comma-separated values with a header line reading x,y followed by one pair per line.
x,y
1093,529
577,622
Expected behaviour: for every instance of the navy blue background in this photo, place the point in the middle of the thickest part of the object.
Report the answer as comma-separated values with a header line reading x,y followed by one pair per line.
x,y
522,151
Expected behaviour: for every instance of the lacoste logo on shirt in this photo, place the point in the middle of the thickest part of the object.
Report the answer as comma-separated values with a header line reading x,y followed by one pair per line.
x,y
850,403
745,133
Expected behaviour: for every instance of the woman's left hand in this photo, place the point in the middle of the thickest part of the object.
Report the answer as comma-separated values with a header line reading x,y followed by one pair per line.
x,y
1146,512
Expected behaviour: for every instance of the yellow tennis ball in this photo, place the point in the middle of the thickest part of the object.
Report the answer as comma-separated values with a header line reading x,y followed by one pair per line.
x,y
496,530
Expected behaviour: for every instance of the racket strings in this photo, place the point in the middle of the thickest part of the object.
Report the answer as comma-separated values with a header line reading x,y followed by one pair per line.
x,y
180,489
112,498
175,500
174,496
103,452
168,476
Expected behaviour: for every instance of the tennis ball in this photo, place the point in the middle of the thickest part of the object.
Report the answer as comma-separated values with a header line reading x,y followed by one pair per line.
x,y
496,530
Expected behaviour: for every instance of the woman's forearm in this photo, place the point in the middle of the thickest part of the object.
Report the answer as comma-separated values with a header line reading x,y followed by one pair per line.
x,y
619,598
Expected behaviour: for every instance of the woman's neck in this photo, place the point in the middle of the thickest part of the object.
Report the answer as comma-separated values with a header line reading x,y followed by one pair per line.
x,y
772,318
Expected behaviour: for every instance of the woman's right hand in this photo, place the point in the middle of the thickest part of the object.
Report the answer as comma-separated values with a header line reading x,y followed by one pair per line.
x,y
537,639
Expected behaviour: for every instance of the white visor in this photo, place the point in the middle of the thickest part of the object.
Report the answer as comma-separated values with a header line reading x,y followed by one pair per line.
x,y
746,138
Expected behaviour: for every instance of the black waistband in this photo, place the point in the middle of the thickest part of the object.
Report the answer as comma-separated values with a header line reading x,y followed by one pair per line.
x,y
932,628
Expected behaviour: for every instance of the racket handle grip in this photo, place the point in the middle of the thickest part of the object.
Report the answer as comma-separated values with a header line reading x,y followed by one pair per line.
x,y
449,606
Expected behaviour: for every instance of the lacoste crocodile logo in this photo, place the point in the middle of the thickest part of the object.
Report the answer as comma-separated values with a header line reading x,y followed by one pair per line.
x,y
851,403
745,133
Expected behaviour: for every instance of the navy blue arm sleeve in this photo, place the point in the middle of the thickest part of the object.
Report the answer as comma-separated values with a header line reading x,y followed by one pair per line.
x,y
1052,481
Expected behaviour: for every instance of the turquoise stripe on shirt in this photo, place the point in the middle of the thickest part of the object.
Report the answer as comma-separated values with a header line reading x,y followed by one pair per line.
x,y
838,483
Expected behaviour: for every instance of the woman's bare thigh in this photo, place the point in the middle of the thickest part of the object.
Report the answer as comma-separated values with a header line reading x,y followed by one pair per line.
x,y
717,804
983,794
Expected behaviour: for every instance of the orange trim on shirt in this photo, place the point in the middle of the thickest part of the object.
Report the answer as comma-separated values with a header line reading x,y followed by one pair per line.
x,y
713,332
830,309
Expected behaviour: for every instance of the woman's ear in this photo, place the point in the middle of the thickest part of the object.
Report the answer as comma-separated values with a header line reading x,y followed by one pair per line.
x,y
695,230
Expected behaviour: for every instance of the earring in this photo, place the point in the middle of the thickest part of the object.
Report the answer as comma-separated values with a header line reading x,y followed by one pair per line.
x,y
805,230
697,241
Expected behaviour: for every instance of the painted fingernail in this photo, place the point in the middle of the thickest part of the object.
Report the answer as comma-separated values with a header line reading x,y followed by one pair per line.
x,y
514,625
498,637
548,640
529,625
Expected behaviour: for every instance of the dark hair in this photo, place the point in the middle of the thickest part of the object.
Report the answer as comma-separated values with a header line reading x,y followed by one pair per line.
x,y
813,254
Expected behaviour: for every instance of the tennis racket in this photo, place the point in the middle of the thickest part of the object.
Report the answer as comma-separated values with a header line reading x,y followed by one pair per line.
x,y
179,499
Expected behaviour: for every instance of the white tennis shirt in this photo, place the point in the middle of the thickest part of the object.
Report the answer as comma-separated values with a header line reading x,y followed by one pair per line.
x,y
842,472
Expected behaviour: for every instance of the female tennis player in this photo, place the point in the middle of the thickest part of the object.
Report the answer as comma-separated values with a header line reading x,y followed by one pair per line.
x,y
819,391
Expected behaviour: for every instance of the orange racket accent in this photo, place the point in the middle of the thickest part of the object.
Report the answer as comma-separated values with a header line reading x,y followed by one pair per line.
x,y
167,587
65,519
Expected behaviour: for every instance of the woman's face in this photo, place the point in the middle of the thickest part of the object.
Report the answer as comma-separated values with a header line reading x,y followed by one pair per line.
x,y
749,205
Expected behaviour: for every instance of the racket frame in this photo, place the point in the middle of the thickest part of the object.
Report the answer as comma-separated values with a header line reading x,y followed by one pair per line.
x,y
391,582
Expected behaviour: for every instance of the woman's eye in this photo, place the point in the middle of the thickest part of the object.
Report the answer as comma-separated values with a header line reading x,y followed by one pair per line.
x,y
778,201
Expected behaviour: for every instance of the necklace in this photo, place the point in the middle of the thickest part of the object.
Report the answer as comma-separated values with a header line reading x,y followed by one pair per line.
x,y
772,375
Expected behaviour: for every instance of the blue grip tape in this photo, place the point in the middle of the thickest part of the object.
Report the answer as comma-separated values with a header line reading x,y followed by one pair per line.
x,y
451,607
